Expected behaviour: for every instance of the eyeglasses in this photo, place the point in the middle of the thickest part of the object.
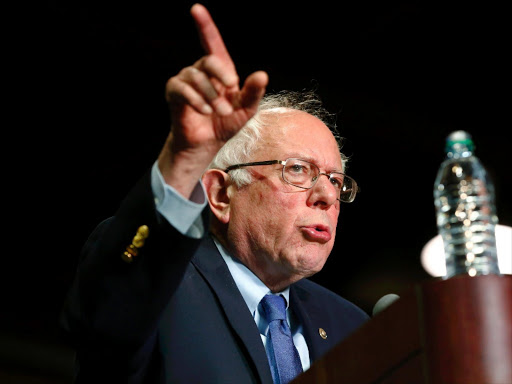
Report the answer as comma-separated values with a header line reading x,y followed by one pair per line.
x,y
303,174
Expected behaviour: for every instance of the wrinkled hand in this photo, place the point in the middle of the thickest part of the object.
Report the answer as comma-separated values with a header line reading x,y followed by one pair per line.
x,y
206,103
207,107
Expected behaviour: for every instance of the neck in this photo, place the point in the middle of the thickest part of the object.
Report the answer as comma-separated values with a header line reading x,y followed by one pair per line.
x,y
276,277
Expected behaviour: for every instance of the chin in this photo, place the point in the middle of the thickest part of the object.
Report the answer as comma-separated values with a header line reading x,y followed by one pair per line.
x,y
309,266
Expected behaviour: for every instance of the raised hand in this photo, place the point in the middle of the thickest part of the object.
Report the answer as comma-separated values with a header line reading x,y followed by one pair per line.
x,y
207,107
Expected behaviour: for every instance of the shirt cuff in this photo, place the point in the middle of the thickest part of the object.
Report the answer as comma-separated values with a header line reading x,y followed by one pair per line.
x,y
181,213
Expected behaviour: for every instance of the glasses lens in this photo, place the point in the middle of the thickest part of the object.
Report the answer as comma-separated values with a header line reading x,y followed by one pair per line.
x,y
300,173
348,190
304,174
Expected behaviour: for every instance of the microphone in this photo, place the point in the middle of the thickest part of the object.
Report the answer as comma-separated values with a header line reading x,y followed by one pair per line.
x,y
384,302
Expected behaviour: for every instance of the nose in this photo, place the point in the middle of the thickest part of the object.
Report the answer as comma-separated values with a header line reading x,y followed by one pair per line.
x,y
323,194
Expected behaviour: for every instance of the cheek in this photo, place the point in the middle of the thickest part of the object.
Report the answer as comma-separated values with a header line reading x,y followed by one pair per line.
x,y
263,211
273,209
270,201
273,217
291,199
334,214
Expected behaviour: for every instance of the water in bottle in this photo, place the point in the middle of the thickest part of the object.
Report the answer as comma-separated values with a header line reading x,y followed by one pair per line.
x,y
466,212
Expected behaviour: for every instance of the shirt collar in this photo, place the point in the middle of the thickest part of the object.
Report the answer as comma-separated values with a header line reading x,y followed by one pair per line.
x,y
249,285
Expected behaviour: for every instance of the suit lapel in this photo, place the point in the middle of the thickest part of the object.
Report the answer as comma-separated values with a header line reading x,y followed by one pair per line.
x,y
310,316
210,264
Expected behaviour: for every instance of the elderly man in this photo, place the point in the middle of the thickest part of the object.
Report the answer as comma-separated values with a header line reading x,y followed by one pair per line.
x,y
169,291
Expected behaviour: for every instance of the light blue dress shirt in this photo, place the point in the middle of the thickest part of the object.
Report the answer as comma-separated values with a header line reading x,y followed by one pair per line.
x,y
185,216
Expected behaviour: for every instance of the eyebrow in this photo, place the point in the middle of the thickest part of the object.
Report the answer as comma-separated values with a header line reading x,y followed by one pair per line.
x,y
311,160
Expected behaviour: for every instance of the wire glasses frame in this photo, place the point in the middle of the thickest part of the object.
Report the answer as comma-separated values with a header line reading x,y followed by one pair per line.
x,y
304,174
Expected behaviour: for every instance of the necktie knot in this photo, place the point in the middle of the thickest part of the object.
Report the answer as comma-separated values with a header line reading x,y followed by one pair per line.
x,y
274,307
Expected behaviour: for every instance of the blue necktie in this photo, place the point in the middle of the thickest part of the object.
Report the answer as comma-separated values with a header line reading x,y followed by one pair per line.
x,y
282,354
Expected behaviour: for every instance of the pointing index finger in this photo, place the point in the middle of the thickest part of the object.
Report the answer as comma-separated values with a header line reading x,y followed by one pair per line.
x,y
211,39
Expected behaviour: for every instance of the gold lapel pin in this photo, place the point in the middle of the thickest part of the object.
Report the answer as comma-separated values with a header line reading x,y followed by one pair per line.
x,y
138,241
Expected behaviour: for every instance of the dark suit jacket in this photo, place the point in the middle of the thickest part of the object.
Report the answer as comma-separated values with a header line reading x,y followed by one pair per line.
x,y
175,314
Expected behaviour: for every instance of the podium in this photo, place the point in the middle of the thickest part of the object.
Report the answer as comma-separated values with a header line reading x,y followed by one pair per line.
x,y
453,331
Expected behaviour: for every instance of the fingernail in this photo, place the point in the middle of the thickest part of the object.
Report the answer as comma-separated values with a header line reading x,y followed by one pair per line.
x,y
207,109
224,108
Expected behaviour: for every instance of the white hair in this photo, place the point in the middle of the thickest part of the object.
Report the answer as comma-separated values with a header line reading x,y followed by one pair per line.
x,y
240,147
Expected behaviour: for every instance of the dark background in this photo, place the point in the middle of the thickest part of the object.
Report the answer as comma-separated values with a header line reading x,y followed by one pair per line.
x,y
91,118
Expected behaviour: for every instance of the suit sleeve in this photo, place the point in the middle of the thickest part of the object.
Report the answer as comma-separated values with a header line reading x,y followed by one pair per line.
x,y
113,307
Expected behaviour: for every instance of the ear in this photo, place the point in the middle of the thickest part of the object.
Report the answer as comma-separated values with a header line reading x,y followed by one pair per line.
x,y
216,183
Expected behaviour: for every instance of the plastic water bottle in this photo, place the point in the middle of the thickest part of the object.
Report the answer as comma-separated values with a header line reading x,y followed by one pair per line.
x,y
466,212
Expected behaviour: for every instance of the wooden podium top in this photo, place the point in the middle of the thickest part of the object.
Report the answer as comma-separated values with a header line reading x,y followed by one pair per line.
x,y
441,331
